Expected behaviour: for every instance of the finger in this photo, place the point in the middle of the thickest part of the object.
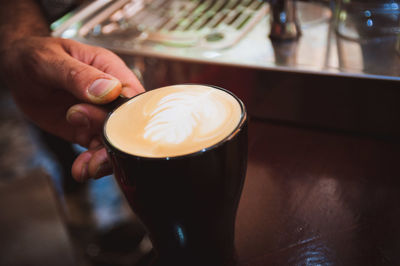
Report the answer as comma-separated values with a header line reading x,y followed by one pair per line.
x,y
92,163
80,167
88,83
86,125
87,116
112,64
108,62
99,165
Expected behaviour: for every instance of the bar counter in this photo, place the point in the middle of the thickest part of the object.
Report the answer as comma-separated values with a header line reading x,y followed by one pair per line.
x,y
311,197
319,198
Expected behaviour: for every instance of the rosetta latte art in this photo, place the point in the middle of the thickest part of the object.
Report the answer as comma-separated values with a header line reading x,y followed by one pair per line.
x,y
180,114
173,121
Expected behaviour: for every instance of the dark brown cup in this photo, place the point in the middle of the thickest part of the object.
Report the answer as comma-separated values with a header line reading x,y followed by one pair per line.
x,y
188,203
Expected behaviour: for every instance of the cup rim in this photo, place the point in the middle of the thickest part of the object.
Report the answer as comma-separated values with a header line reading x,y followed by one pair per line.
x,y
235,131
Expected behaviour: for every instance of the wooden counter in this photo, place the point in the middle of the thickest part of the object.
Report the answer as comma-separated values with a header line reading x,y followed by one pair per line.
x,y
319,198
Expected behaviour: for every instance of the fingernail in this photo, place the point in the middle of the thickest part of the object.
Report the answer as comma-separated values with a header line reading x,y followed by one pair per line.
x,y
103,169
101,87
77,118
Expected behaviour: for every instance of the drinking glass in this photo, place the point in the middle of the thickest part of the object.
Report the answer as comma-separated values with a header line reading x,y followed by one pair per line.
x,y
367,19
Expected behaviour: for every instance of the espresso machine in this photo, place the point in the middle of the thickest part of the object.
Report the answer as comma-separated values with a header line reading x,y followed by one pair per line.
x,y
284,58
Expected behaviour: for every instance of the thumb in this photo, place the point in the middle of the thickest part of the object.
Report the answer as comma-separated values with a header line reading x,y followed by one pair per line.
x,y
88,83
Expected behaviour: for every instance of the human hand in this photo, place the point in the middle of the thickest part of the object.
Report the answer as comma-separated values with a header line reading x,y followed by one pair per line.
x,y
60,85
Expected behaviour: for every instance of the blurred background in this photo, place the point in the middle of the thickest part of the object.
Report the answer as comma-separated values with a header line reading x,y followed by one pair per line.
x,y
326,65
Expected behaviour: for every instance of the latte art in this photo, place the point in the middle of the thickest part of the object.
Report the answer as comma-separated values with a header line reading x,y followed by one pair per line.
x,y
179,114
173,121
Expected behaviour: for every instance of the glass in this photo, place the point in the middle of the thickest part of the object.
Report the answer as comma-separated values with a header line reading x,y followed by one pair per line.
x,y
367,19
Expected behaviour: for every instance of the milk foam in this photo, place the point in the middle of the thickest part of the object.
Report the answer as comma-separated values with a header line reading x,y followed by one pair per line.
x,y
173,121
179,114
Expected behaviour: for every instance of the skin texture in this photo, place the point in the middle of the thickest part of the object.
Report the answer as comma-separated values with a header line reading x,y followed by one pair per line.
x,y
56,83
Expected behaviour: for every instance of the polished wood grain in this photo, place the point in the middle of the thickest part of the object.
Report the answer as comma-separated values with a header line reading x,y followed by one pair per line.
x,y
318,198
311,197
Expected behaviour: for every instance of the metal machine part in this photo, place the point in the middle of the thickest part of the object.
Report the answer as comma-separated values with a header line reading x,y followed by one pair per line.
x,y
284,24
319,80
206,24
228,32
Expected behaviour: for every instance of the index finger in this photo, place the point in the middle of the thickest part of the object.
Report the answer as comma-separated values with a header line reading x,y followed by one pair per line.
x,y
107,62
110,63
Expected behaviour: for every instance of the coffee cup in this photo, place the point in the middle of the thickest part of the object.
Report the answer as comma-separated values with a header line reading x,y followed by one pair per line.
x,y
179,154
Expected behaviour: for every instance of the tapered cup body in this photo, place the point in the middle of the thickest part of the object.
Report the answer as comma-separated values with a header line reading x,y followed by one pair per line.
x,y
188,203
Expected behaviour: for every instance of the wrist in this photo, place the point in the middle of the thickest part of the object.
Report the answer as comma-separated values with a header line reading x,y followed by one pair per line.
x,y
8,40
25,20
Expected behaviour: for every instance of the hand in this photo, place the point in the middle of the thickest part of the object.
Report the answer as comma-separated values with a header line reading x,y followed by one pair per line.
x,y
60,85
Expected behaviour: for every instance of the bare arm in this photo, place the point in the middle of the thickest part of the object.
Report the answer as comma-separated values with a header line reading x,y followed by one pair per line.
x,y
59,84
18,19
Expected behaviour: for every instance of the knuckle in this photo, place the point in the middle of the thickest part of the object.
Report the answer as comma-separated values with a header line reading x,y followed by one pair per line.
x,y
102,51
36,58
76,75
106,55
40,57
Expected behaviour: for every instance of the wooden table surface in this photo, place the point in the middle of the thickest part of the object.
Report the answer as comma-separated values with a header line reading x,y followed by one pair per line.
x,y
32,229
310,198
319,198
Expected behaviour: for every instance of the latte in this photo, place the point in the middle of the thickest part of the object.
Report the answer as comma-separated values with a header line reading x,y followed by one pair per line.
x,y
173,121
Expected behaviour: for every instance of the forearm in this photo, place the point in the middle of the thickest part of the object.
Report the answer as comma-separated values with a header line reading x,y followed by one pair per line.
x,y
18,19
